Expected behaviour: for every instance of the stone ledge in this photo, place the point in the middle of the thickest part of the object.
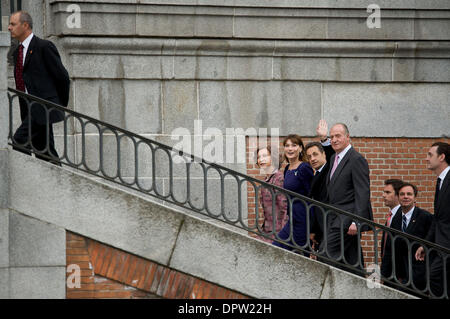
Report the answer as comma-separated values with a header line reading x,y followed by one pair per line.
x,y
292,20
263,60
342,4
255,48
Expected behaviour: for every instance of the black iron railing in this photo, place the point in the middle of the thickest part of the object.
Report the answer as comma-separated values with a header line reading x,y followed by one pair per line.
x,y
141,163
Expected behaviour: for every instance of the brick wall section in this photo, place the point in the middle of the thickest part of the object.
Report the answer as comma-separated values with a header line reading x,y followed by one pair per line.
x,y
402,158
107,272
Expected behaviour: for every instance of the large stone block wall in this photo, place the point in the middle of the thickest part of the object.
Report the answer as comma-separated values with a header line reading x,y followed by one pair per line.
x,y
32,252
153,67
156,67
148,66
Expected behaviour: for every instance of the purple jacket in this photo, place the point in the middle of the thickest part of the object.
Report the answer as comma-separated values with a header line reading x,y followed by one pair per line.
x,y
280,213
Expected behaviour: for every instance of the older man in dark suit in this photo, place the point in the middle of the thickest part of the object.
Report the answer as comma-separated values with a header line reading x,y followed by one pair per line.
x,y
438,159
38,71
348,188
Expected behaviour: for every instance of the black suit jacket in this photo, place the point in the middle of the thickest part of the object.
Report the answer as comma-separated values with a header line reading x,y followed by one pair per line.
x,y
418,226
319,192
440,228
349,189
398,211
386,249
46,77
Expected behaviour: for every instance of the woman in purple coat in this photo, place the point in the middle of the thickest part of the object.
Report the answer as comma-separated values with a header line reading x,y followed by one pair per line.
x,y
275,216
297,178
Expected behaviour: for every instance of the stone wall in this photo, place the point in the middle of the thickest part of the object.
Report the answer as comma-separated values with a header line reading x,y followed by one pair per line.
x,y
4,172
153,67
32,252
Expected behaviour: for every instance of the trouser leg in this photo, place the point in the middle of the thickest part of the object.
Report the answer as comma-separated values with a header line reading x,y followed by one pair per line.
x,y
21,137
38,143
345,252
437,276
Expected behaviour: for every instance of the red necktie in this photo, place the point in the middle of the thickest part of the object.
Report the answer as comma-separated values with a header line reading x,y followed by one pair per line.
x,y
388,223
20,84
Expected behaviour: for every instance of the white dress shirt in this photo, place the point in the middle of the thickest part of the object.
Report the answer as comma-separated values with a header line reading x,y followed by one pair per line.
x,y
443,174
393,211
408,216
26,44
343,152
321,168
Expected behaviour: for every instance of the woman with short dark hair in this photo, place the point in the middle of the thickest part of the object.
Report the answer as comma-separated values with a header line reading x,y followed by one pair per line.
x,y
297,178
275,216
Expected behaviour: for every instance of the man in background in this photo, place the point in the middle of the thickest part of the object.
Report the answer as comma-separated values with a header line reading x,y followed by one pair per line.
x,y
414,221
390,198
38,71
438,159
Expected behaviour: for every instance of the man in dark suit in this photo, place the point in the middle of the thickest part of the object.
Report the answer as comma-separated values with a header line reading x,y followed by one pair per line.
x,y
318,155
38,71
438,159
348,188
390,198
414,221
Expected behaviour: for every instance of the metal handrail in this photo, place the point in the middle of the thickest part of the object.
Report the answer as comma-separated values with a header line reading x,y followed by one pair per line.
x,y
224,172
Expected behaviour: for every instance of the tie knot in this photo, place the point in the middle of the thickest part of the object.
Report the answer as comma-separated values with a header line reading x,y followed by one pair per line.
x,y
438,184
336,159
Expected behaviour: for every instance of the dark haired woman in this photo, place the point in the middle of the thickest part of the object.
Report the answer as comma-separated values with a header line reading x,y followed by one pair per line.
x,y
297,178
